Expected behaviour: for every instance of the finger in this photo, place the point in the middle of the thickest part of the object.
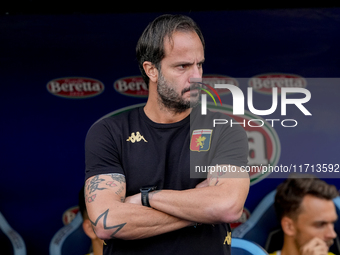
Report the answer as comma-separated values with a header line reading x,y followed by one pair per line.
x,y
202,184
316,246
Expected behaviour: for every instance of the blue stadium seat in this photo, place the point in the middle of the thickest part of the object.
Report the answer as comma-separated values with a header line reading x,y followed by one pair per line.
x,y
11,242
245,247
260,223
71,239
263,228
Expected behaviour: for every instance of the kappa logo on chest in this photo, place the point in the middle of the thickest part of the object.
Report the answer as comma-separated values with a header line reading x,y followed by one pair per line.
x,y
136,138
200,140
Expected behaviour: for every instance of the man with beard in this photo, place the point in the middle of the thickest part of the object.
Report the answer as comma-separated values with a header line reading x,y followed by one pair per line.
x,y
307,214
139,193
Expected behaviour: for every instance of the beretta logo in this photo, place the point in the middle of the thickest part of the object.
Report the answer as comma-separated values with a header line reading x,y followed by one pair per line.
x,y
75,87
264,83
135,86
131,86
264,143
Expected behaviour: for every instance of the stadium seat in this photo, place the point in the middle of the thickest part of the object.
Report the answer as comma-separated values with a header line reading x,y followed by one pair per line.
x,y
11,241
71,239
245,247
263,228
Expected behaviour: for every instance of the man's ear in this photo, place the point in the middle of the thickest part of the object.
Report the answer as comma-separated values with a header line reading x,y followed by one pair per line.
x,y
151,71
288,226
87,227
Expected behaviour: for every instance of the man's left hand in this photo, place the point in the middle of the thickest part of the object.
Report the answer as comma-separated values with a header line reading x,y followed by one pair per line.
x,y
135,199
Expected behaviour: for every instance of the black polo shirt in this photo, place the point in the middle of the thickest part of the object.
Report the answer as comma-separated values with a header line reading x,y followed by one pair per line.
x,y
166,156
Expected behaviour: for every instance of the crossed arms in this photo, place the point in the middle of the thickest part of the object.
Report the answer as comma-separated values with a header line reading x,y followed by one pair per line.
x,y
218,199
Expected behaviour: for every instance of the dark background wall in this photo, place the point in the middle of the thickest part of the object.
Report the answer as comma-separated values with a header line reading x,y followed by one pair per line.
x,y
42,135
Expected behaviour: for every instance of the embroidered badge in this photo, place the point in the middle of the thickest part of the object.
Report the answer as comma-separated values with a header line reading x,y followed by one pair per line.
x,y
228,238
136,137
200,140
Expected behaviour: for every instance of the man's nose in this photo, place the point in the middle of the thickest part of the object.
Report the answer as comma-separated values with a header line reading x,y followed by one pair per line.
x,y
196,71
331,234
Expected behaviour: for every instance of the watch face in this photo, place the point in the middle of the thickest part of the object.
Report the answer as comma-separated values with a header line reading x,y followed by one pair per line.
x,y
145,195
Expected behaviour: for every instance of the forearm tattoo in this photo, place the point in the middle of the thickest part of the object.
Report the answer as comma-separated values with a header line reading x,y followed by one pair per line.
x,y
101,182
104,216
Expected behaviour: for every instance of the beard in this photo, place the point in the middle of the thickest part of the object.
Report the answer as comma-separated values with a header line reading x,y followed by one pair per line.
x,y
174,101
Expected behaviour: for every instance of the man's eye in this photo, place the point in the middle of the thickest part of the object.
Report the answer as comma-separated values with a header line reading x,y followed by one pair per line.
x,y
320,224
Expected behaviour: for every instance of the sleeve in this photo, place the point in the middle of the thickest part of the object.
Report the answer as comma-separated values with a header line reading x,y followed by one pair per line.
x,y
101,151
232,147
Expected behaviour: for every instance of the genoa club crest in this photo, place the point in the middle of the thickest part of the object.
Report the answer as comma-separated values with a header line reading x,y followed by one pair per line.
x,y
200,140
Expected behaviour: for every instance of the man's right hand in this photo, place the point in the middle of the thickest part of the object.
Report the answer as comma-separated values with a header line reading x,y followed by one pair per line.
x,y
316,246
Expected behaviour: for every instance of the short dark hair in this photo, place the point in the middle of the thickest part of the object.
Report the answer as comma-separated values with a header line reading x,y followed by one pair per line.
x,y
290,193
150,46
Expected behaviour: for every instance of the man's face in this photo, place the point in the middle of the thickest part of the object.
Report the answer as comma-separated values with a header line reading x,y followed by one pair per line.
x,y
184,56
316,219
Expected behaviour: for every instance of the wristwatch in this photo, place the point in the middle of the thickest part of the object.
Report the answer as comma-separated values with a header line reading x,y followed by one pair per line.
x,y
145,194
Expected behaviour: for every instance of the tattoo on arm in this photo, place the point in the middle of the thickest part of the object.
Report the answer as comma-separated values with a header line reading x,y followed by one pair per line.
x,y
118,177
119,191
111,184
104,215
92,185
90,199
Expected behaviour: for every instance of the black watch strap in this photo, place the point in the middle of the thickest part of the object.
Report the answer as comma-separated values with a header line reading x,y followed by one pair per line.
x,y
145,195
